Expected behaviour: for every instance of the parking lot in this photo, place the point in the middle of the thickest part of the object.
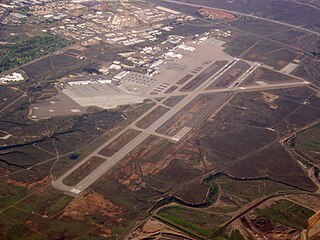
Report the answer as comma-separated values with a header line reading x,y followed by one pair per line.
x,y
101,95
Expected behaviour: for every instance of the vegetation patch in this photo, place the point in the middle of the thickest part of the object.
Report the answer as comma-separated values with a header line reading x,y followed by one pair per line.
x,y
286,213
13,55
198,222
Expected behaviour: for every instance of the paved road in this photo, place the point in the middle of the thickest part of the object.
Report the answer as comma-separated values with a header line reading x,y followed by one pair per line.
x,y
246,15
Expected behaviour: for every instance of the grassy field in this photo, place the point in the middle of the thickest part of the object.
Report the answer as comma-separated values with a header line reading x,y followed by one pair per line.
x,y
307,143
243,192
13,55
286,213
240,44
196,221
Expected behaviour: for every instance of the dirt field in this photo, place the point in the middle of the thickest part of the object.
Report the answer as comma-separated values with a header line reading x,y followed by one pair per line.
x,y
215,14
54,67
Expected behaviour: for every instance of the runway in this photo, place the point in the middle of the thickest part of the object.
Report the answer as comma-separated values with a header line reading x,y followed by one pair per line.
x,y
221,95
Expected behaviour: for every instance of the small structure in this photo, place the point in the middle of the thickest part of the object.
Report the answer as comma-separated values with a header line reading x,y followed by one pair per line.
x,y
14,77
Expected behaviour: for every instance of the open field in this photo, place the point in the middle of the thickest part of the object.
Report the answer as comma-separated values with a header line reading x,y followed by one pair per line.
x,y
274,153
22,52
236,192
306,144
54,67
309,70
8,94
286,213
240,44
258,27
292,37
271,112
232,140
53,215
264,75
119,143
60,105
287,12
195,193
198,222
278,59
271,162
152,117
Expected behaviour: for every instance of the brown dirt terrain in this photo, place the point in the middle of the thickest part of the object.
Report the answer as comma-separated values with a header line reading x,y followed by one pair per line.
x,y
216,14
90,204
271,162
313,231
252,109
195,193
150,158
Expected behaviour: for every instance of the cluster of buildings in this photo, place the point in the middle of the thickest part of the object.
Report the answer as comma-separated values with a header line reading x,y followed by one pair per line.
x,y
111,22
86,82
81,20
132,37
14,77
148,59
12,4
